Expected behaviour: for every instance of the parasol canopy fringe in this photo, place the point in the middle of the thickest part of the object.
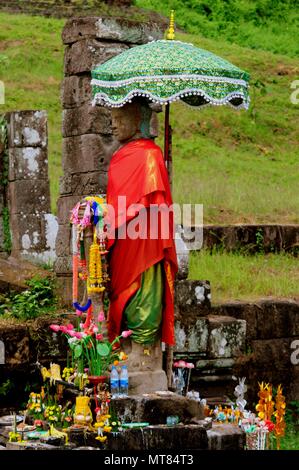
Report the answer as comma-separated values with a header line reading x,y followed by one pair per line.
x,y
103,99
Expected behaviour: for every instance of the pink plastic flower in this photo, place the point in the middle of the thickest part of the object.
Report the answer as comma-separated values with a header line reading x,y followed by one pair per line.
x,y
99,337
127,333
101,316
55,327
79,313
64,329
72,333
189,365
70,326
78,335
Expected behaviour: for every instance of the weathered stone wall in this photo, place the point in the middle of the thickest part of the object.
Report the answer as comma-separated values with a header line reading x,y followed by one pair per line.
x,y
59,8
252,340
88,143
262,238
33,227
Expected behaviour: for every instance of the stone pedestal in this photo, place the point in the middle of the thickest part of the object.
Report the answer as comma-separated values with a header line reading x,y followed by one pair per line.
x,y
145,367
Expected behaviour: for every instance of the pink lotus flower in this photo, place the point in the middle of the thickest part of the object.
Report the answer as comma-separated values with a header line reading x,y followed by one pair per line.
x,y
127,333
101,317
99,337
55,327
64,329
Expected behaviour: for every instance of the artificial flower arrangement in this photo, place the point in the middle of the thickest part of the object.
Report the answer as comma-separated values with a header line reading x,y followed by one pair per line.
x,y
181,376
269,420
91,351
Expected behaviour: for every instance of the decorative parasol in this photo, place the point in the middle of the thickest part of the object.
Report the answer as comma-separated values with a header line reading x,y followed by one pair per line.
x,y
165,71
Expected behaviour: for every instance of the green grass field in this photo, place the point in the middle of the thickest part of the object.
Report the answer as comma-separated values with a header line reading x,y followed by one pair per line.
x,y
242,166
244,277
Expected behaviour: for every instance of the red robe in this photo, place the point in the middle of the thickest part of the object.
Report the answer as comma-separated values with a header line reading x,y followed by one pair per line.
x,y
137,171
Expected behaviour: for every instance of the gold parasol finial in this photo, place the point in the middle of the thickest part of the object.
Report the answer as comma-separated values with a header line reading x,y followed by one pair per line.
x,y
170,32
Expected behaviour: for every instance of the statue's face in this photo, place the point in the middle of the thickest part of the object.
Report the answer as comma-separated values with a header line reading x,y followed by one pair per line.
x,y
126,121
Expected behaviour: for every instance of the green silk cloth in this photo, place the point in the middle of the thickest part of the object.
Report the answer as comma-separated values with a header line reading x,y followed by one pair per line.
x,y
144,311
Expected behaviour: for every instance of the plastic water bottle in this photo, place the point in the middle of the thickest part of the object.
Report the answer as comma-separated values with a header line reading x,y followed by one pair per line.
x,y
114,382
124,382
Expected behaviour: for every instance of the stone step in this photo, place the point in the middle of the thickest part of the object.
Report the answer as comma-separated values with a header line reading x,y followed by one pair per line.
x,y
226,437
251,238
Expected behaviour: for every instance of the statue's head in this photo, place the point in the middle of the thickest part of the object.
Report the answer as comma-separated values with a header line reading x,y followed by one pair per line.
x,y
133,120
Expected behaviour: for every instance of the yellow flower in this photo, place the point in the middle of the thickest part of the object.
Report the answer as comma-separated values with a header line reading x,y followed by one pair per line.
x,y
123,356
99,425
107,428
101,438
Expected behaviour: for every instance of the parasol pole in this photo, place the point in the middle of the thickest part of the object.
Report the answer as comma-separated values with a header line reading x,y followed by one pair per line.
x,y
168,144
168,162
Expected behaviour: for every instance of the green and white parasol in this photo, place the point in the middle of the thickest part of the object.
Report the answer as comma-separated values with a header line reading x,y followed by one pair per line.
x,y
165,71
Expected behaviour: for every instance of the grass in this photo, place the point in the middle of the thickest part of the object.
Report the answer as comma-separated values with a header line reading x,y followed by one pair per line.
x,y
251,23
32,75
243,167
247,278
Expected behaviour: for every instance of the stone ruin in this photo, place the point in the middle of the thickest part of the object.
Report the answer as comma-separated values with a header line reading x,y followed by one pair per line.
x,y
27,227
235,338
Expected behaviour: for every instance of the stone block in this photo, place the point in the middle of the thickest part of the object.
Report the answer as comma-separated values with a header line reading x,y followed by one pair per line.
x,y
111,29
139,360
63,265
283,316
28,163
64,240
28,233
64,286
16,343
151,438
29,197
27,129
84,184
226,336
86,119
87,153
189,293
147,381
45,345
154,408
192,337
64,206
242,311
226,437
265,319
28,445
15,273
76,90
84,55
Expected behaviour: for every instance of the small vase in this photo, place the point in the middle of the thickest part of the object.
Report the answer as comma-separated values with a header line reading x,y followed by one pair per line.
x,y
97,379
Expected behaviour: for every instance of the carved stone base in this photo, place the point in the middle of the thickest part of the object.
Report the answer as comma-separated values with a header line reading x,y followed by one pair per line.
x,y
145,367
